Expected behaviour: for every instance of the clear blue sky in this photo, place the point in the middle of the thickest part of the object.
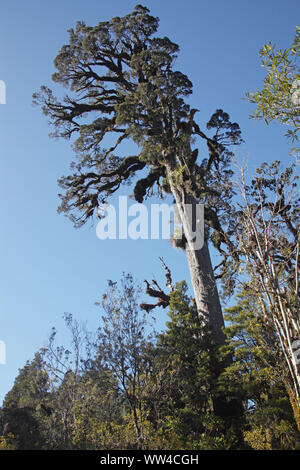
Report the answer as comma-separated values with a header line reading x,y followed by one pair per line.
x,y
48,267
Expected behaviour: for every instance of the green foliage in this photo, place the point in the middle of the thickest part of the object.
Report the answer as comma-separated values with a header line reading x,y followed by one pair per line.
x,y
260,374
190,373
8,442
268,432
279,97
23,424
22,411
31,386
257,358
138,390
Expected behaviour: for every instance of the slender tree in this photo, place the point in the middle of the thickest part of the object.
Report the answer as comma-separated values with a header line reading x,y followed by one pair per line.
x,y
123,347
259,375
123,86
268,237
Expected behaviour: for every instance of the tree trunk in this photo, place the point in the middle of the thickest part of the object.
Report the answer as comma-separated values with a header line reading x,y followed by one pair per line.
x,y
201,271
206,295
205,290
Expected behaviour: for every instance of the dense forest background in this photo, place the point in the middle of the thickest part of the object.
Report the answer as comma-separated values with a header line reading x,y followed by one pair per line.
x,y
127,387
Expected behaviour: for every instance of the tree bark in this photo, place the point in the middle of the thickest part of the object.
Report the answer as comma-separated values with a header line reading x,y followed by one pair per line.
x,y
201,271
206,293
205,290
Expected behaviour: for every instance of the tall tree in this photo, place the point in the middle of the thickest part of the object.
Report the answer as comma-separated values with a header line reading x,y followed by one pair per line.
x,y
189,394
268,237
259,375
123,86
31,386
123,346
22,414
